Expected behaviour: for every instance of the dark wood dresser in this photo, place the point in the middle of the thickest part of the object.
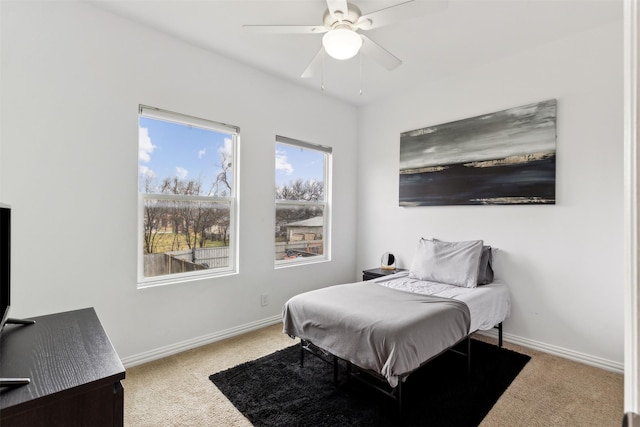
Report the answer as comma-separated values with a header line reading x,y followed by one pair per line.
x,y
74,370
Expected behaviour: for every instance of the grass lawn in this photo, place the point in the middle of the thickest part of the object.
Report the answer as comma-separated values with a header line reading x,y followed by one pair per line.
x,y
167,242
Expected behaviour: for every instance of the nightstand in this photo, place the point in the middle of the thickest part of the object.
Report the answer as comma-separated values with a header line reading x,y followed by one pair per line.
x,y
374,273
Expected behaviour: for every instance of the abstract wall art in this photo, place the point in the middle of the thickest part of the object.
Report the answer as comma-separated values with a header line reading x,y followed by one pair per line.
x,y
502,158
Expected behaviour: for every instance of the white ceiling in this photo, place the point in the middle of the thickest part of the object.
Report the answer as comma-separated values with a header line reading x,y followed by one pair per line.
x,y
464,35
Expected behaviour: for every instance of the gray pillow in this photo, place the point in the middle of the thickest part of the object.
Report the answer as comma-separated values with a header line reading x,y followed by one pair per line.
x,y
485,270
453,263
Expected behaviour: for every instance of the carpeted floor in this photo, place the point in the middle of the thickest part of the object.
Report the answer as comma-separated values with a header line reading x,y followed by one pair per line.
x,y
549,391
276,391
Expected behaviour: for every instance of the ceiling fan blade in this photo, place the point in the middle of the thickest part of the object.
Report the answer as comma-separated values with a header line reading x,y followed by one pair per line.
x,y
399,12
285,29
313,65
379,54
338,8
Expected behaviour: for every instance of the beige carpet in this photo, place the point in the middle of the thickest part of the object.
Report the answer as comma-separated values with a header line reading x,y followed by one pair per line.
x,y
550,391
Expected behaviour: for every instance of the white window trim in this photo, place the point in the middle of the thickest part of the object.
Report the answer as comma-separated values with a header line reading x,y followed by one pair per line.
x,y
233,268
326,204
184,119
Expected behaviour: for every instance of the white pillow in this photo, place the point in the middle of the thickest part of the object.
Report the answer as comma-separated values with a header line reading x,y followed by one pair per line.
x,y
453,263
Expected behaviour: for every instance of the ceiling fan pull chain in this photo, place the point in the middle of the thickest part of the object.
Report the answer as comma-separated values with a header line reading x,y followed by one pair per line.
x,y
360,59
322,73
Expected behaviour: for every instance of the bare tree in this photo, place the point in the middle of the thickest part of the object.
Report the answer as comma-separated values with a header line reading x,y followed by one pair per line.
x,y
310,191
190,219
222,185
154,212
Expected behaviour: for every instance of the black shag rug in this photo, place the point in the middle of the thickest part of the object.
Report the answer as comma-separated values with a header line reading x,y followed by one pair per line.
x,y
275,391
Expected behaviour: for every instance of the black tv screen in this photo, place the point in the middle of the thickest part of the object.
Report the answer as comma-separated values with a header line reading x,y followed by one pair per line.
x,y
5,261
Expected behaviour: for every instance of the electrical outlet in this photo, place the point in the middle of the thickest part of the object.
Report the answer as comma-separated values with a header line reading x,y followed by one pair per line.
x,y
264,299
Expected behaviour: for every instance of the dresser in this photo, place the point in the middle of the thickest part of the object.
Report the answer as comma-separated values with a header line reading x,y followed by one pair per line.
x,y
74,370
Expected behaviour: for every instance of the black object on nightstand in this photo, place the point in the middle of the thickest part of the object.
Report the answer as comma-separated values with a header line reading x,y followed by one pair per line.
x,y
374,273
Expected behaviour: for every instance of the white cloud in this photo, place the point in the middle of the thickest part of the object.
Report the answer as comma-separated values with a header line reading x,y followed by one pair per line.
x,y
227,148
201,153
282,163
181,172
144,170
145,147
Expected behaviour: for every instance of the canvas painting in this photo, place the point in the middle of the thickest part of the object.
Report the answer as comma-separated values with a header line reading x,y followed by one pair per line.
x,y
502,158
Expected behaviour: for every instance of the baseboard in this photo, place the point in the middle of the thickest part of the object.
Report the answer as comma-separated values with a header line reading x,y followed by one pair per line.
x,y
159,353
587,359
169,350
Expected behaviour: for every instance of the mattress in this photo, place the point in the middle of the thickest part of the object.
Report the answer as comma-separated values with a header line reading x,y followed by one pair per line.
x,y
488,304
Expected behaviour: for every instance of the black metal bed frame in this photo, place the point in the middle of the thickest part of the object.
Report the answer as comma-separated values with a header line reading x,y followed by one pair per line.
x,y
375,380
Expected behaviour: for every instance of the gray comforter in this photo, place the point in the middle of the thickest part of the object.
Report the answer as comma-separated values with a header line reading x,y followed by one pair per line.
x,y
387,331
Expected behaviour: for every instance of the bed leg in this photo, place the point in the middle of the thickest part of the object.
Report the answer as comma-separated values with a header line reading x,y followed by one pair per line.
x,y
500,334
335,370
302,353
399,399
469,356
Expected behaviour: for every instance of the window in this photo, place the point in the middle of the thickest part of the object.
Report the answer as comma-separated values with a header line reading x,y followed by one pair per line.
x,y
187,197
302,202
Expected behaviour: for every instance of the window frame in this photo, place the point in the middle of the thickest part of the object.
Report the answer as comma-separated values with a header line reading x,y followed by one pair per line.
x,y
325,204
231,200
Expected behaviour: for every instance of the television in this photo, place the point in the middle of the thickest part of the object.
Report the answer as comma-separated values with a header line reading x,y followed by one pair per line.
x,y
5,262
5,284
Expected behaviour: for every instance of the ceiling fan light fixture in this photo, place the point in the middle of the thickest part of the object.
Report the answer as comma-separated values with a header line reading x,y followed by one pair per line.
x,y
342,43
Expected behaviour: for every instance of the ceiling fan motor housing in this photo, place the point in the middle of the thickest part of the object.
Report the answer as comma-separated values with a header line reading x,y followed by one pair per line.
x,y
349,19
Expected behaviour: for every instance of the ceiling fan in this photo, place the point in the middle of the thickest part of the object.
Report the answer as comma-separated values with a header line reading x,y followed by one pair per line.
x,y
342,24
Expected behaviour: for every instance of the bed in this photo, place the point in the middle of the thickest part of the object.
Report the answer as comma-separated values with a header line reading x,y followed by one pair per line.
x,y
391,326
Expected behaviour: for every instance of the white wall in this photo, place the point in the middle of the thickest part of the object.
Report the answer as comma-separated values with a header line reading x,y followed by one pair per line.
x,y
72,79
563,263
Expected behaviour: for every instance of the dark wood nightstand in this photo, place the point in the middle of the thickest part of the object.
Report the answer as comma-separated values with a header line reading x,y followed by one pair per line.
x,y
374,273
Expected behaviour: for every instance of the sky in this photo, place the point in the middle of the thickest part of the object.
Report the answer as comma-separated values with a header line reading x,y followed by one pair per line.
x,y
294,163
167,149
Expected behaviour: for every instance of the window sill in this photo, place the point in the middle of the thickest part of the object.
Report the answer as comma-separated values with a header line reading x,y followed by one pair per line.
x,y
182,279
295,263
